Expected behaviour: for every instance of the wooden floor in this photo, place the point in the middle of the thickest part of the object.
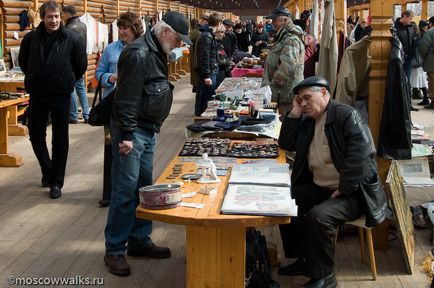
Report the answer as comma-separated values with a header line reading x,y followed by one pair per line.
x,y
40,237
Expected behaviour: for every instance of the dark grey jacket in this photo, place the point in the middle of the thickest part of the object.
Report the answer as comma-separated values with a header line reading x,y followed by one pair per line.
x,y
74,24
352,151
143,94
55,73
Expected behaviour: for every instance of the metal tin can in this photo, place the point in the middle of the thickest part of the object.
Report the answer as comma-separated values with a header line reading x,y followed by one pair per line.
x,y
160,196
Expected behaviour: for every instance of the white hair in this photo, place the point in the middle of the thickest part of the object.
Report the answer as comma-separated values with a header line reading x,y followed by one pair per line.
x,y
160,27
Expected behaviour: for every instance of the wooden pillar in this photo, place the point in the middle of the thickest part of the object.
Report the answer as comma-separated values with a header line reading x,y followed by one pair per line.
x,y
341,16
381,13
424,9
118,9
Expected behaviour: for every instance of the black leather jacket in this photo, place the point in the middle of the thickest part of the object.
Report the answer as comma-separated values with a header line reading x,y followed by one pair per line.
x,y
78,27
206,53
394,141
352,151
230,43
143,94
407,37
256,50
56,73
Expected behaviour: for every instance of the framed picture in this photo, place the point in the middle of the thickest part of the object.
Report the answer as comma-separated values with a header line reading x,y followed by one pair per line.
x,y
15,51
2,67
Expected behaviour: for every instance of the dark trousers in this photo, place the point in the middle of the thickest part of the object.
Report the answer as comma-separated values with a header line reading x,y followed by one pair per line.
x,y
311,235
53,168
204,94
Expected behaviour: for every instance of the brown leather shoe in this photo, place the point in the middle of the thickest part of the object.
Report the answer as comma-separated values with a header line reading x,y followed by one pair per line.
x,y
151,251
117,264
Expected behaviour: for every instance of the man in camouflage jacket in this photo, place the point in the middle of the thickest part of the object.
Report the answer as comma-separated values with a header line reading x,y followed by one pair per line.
x,y
284,65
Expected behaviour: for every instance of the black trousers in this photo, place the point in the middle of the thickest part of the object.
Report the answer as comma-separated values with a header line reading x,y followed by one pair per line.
x,y
311,235
53,168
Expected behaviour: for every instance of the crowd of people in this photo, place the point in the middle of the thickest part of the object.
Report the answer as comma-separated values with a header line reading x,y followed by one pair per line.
x,y
334,179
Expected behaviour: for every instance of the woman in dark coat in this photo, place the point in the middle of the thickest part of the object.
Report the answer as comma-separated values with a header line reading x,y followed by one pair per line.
x,y
242,37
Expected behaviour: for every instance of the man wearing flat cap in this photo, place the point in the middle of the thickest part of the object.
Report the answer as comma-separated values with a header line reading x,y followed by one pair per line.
x,y
229,42
142,102
334,179
284,65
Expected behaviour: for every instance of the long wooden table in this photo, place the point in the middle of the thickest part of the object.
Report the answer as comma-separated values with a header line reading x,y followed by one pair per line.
x,y
8,120
216,243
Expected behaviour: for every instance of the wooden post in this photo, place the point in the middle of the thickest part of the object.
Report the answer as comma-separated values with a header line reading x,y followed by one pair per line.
x,y
118,9
424,9
341,16
381,13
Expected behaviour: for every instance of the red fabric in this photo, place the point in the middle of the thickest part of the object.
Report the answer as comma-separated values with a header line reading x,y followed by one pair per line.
x,y
240,72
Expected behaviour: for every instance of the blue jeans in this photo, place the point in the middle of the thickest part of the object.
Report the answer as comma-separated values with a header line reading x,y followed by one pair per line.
x,y
80,90
129,173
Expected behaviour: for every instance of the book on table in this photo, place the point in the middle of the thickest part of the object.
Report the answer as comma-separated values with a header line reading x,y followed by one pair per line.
x,y
263,189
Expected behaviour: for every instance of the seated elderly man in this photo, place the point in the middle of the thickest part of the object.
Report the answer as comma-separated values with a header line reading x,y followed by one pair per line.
x,y
334,179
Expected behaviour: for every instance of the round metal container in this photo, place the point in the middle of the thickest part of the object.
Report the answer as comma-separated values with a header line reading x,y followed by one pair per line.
x,y
160,196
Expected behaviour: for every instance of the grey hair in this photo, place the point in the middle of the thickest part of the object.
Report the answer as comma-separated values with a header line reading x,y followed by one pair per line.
x,y
160,27
318,89
286,18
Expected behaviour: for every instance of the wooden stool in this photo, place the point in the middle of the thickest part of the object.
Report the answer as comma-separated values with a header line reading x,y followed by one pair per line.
x,y
360,224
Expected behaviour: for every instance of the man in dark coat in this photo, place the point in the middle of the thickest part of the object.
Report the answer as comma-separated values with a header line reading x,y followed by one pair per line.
x,y
141,104
52,59
259,40
334,179
74,24
230,40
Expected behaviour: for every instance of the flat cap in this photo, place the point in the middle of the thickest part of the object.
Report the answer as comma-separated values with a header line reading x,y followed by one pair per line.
x,y
228,22
279,11
179,23
312,81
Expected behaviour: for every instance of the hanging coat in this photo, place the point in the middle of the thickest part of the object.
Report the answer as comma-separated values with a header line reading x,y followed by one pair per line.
x,y
395,132
328,54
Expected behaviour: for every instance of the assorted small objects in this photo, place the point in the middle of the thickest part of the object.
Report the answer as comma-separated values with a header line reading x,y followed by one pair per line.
x,y
207,190
254,150
211,146
9,95
176,171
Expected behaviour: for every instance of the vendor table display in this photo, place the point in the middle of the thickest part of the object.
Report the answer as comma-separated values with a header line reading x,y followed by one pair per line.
x,y
239,83
215,243
250,72
211,146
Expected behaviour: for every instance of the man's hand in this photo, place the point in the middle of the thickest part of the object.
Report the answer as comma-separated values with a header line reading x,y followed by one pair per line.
x,y
208,81
113,78
336,193
296,111
125,147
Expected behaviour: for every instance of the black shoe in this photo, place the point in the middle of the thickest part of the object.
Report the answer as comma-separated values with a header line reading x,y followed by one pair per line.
x,y
55,192
86,121
326,282
294,269
117,264
423,102
413,108
429,106
44,182
104,203
151,251
73,121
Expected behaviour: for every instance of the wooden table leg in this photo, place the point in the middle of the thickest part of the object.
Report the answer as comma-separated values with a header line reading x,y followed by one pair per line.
x,y
216,257
6,160
14,128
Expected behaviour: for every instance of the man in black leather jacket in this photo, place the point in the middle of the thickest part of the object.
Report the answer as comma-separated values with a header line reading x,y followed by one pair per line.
x,y
52,59
334,179
207,63
74,24
142,102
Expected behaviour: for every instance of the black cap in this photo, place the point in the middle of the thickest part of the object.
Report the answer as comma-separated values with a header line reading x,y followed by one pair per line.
x,y
431,20
312,81
179,23
228,22
279,11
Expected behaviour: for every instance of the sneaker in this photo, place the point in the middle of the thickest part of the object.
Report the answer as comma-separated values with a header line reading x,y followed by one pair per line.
x,y
151,251
413,108
423,102
294,269
429,106
117,264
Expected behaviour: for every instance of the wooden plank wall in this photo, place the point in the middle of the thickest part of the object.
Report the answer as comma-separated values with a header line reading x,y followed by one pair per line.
x,y
105,11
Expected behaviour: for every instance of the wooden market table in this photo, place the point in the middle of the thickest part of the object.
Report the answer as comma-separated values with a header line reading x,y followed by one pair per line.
x,y
8,121
216,243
